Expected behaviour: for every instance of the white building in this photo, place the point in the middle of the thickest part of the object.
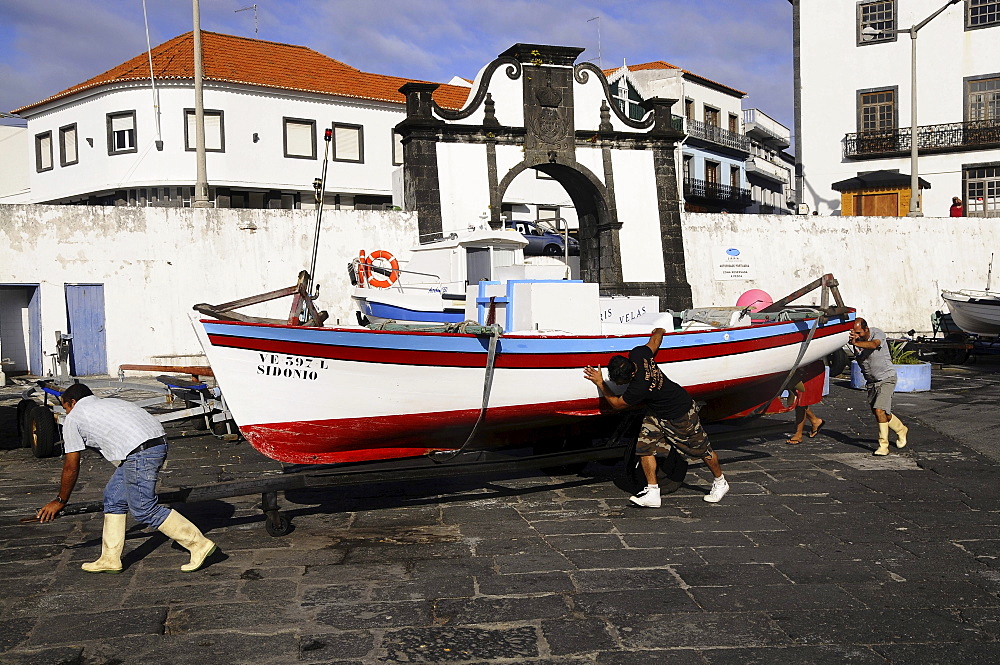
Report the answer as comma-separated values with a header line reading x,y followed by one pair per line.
x,y
712,158
853,104
14,152
769,168
117,139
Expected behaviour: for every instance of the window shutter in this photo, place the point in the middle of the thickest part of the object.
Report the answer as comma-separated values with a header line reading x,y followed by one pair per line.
x,y
299,139
397,148
192,139
122,122
45,152
348,143
213,131
69,145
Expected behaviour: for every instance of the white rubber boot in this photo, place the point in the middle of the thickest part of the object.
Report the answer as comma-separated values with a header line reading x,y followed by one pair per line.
x,y
897,426
177,527
112,544
883,439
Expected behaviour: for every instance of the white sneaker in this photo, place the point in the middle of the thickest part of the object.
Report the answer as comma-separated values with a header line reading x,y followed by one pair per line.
x,y
649,497
719,488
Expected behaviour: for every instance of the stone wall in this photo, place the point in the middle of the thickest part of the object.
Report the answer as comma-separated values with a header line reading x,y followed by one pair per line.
x,y
891,269
155,263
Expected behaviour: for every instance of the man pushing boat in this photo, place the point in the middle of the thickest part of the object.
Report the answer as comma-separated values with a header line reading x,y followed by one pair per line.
x,y
671,417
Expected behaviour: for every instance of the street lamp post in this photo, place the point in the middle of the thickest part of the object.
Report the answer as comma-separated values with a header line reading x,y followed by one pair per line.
x,y
912,31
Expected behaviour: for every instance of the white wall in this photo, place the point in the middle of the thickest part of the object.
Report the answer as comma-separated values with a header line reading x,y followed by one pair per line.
x,y
891,271
834,68
15,157
156,263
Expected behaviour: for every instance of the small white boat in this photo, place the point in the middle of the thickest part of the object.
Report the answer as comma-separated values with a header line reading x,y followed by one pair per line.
x,y
975,312
432,286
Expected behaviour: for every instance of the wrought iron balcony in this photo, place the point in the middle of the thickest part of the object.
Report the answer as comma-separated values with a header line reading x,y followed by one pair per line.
x,y
736,198
952,137
718,135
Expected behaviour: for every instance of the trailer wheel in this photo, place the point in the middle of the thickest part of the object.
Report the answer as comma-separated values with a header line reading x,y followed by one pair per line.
x,y
277,525
838,362
40,432
23,407
954,356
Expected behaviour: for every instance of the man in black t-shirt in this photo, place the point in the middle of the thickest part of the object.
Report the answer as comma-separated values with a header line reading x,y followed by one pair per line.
x,y
671,417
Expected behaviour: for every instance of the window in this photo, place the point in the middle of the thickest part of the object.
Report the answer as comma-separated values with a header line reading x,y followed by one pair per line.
x,y
982,13
43,151
877,111
397,149
982,191
689,109
712,116
215,138
348,144
547,212
734,177
874,20
712,172
300,138
734,123
121,132
983,99
67,145
687,166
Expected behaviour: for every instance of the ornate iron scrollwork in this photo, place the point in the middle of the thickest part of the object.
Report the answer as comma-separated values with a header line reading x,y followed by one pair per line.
x,y
581,73
513,72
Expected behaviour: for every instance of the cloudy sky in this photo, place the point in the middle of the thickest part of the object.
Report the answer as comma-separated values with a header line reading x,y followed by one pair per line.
x,y
49,45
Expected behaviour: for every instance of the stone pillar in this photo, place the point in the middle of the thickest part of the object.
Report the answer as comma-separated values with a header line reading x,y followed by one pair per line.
x,y
421,186
676,293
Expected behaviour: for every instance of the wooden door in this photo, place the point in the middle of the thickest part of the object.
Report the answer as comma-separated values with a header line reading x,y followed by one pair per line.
x,y
878,205
85,314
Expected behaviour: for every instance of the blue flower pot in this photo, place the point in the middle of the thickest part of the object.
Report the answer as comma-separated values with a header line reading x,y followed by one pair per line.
x,y
909,378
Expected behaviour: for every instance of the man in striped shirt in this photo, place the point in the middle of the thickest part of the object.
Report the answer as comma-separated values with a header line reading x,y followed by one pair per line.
x,y
135,442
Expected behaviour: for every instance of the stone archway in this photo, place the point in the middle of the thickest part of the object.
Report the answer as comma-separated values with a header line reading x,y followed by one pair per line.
x,y
598,232
551,114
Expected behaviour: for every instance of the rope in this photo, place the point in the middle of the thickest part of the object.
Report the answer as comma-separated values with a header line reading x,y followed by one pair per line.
x,y
491,357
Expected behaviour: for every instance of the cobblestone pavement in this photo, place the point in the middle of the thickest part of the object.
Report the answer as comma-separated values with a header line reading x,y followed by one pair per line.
x,y
820,554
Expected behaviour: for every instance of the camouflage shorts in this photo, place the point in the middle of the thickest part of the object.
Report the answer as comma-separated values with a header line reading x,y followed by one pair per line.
x,y
658,435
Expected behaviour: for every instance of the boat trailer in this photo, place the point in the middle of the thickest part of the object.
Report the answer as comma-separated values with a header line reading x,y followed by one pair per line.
x,y
177,398
295,477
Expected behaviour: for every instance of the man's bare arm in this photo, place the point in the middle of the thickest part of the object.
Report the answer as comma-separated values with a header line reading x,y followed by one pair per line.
x,y
655,339
594,375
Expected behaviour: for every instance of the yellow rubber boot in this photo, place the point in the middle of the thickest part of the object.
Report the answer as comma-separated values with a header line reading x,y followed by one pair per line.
x,y
897,426
112,544
883,439
177,527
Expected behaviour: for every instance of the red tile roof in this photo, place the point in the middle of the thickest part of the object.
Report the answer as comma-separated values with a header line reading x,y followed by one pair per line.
x,y
261,63
660,64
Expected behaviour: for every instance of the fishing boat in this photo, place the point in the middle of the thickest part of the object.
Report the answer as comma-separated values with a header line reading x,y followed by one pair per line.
x,y
311,394
975,312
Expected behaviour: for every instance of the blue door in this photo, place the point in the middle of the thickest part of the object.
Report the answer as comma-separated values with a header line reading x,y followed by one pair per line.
x,y
85,316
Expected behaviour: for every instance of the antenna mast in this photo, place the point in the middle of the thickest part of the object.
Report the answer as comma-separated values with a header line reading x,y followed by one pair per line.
x,y
600,63
254,8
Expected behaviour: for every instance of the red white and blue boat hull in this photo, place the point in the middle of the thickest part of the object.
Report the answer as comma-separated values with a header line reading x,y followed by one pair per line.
x,y
324,395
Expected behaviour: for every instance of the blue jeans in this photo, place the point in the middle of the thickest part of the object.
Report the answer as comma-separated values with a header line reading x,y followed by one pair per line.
x,y
132,488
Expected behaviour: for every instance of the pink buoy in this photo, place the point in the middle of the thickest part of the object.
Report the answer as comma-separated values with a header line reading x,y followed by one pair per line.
x,y
755,299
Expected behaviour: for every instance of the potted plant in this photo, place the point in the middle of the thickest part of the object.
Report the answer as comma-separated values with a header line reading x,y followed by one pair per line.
x,y
912,374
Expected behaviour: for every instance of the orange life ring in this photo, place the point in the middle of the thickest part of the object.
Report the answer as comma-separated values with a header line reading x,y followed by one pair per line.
x,y
378,282
362,268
